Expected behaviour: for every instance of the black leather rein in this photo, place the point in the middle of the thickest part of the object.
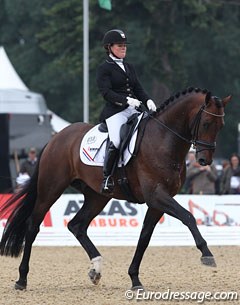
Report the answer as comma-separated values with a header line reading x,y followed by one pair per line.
x,y
196,123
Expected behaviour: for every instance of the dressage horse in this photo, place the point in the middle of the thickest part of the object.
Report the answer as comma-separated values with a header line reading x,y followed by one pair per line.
x,y
156,173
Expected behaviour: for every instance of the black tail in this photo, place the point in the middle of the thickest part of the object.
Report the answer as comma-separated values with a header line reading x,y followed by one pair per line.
x,y
23,204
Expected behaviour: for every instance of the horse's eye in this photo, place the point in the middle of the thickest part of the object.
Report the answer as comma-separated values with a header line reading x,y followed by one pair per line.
x,y
206,125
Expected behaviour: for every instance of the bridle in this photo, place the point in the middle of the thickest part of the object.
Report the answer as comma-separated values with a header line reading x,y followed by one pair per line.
x,y
195,127
196,123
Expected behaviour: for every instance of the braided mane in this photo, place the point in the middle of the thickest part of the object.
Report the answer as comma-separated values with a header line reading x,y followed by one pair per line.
x,y
173,98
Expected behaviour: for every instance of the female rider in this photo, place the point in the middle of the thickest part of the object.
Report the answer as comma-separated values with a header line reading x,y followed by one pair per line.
x,y
123,93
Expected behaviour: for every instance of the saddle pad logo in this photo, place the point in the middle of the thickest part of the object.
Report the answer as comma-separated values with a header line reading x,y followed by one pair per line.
x,y
91,140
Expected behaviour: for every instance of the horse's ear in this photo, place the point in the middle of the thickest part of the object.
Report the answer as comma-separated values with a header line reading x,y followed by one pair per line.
x,y
226,100
208,97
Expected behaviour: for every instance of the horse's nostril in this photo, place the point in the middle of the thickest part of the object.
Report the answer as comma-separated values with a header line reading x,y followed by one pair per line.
x,y
202,162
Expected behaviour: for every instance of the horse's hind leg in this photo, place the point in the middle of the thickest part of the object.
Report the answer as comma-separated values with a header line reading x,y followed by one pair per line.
x,y
43,203
93,205
151,219
31,233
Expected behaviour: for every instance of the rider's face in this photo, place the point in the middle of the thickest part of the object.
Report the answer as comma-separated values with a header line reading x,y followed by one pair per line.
x,y
119,49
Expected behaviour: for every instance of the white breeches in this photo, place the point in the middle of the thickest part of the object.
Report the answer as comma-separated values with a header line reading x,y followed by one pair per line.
x,y
115,122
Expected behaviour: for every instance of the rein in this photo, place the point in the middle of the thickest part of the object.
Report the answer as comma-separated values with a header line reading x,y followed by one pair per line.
x,y
196,123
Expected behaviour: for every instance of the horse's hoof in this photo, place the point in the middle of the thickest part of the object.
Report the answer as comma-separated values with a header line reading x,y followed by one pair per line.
x,y
140,287
94,276
208,261
20,285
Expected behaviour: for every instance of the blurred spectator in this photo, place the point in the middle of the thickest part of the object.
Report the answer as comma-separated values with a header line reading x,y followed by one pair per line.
x,y
202,178
22,179
186,188
190,158
220,168
225,163
230,180
27,168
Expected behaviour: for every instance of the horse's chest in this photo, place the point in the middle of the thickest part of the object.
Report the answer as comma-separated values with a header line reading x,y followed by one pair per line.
x,y
172,177
176,167
172,168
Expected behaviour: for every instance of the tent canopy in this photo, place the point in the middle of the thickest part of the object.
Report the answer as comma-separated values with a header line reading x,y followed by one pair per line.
x,y
25,121
16,98
28,121
9,79
21,102
14,94
57,122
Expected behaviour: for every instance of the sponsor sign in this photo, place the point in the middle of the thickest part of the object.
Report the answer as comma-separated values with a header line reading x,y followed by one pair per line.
x,y
120,223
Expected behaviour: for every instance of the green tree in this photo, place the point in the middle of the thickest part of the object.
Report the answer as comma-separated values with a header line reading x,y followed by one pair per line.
x,y
174,44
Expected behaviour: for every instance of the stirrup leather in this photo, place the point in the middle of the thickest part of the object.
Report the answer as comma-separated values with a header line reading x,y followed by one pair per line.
x,y
108,183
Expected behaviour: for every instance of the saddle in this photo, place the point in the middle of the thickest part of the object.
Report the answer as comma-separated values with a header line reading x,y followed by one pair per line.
x,y
126,133
93,146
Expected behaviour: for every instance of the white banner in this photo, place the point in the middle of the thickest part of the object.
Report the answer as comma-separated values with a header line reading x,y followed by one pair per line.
x,y
119,224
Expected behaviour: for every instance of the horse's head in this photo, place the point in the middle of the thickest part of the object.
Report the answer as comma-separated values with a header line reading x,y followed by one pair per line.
x,y
206,125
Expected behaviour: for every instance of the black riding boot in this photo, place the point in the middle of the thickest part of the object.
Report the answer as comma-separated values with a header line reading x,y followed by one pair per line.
x,y
108,168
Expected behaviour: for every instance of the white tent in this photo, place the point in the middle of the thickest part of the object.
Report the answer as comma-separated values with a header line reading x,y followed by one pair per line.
x,y
57,122
16,98
9,79
25,121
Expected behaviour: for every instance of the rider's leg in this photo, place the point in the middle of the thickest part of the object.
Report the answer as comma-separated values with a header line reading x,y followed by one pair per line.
x,y
114,124
110,160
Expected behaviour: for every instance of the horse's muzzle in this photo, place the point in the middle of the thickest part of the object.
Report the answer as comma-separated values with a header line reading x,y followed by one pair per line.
x,y
204,162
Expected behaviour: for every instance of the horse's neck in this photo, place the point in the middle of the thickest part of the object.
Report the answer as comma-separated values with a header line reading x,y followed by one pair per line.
x,y
176,120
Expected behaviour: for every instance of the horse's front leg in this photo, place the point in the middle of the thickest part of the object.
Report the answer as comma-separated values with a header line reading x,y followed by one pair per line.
x,y
151,219
171,207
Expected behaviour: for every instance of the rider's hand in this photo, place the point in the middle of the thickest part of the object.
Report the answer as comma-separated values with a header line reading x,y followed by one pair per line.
x,y
151,105
133,102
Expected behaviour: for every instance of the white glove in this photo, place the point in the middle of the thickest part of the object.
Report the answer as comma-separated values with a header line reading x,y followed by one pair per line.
x,y
151,105
133,102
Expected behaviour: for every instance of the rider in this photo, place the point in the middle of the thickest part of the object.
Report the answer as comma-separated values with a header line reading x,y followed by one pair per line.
x,y
118,83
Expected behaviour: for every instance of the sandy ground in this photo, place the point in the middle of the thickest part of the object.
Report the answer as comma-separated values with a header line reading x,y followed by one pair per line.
x,y
58,275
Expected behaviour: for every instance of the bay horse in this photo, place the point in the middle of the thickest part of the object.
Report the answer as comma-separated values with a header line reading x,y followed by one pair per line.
x,y
156,174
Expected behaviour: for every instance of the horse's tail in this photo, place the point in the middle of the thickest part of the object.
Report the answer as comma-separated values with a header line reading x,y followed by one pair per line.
x,y
20,206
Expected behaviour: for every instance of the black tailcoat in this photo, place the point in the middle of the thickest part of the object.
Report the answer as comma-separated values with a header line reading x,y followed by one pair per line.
x,y
116,85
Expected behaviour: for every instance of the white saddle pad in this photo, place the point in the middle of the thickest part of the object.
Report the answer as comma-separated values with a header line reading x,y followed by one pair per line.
x,y
93,146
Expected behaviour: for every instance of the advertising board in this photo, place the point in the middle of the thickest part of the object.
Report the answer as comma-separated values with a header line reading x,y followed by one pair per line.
x,y
119,224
